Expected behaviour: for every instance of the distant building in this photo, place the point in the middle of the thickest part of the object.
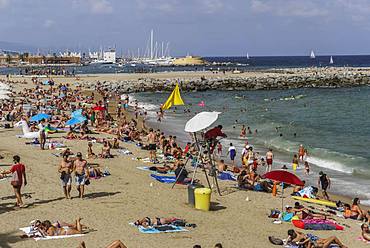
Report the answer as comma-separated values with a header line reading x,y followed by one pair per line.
x,y
110,56
189,60
15,59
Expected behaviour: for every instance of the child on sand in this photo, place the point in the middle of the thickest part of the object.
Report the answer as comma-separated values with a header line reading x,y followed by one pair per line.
x,y
219,149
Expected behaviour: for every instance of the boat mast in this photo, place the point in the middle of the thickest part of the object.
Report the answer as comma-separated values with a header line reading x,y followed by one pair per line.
x,y
151,44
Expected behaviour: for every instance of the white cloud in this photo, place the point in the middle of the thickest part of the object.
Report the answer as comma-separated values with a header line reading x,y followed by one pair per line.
x,y
48,23
211,6
100,6
3,3
158,5
297,8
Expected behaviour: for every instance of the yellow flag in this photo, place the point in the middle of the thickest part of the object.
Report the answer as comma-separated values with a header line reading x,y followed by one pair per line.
x,y
173,99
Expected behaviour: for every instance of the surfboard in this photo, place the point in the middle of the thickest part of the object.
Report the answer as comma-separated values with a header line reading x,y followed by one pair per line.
x,y
315,201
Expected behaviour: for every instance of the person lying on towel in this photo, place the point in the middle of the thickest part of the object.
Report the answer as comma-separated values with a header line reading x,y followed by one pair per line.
x,y
181,173
46,228
155,222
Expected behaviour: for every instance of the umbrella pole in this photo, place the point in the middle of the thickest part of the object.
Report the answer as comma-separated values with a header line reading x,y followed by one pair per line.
x,y
282,197
199,156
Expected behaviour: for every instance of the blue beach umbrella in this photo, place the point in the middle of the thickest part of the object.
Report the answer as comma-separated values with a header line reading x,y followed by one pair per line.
x,y
75,121
39,117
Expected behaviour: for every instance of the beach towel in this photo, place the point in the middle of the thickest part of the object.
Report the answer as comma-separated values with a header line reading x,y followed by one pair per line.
x,y
146,168
160,229
287,217
163,179
29,232
124,152
226,176
315,224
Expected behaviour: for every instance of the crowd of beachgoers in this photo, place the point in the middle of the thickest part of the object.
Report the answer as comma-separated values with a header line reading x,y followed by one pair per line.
x,y
111,120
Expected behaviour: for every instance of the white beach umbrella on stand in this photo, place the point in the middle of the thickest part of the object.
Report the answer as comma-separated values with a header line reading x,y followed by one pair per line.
x,y
201,121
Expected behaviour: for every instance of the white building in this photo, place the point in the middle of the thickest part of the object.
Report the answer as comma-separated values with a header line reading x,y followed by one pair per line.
x,y
109,56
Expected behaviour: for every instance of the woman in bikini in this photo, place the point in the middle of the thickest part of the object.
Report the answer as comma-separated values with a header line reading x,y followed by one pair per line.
x,y
356,212
59,228
312,241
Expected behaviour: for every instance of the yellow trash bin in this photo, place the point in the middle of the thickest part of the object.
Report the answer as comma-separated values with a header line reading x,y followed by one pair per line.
x,y
202,198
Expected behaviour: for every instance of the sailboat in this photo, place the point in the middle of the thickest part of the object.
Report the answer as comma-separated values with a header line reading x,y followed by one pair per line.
x,y
331,60
312,56
247,56
173,99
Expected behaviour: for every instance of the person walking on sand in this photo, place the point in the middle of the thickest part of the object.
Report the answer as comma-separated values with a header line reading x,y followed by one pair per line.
x,y
65,170
325,183
42,134
295,163
232,153
152,145
81,174
269,158
18,171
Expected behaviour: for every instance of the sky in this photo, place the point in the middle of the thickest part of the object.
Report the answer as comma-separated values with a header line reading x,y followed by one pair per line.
x,y
197,27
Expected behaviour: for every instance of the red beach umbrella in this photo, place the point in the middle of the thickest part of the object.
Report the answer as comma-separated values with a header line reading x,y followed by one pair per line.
x,y
284,177
98,108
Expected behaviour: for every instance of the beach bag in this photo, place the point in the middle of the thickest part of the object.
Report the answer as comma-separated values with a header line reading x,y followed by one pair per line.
x,y
15,179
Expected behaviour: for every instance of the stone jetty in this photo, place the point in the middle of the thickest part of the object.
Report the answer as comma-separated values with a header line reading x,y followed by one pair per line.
x,y
261,80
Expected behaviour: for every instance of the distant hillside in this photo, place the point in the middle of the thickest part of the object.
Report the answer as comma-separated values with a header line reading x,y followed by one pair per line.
x,y
18,47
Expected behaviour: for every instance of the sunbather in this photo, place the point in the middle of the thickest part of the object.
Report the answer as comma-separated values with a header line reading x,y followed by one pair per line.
x,y
356,212
154,222
303,213
312,241
105,152
46,228
114,244
115,144
90,153
94,172
162,169
365,232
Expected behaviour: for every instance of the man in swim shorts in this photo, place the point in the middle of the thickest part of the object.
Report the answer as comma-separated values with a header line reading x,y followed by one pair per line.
x,y
65,170
81,174
269,158
152,147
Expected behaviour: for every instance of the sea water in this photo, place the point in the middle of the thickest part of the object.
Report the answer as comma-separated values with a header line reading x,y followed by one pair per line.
x,y
333,124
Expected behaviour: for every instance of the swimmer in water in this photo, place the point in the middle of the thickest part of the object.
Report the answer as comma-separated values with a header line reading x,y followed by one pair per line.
x,y
243,132
306,168
301,152
249,130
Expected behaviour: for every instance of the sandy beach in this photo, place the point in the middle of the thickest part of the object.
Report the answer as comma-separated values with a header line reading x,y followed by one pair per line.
x,y
238,218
